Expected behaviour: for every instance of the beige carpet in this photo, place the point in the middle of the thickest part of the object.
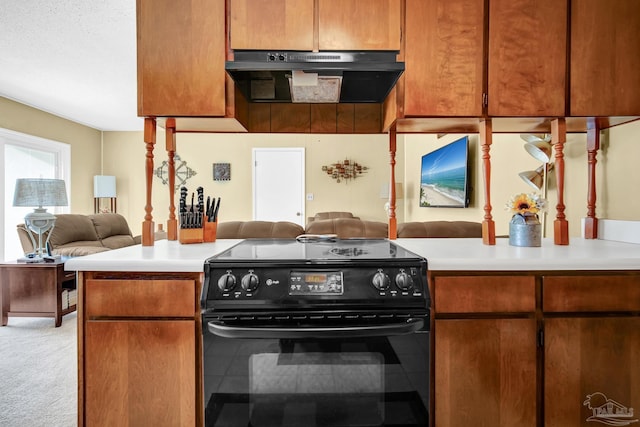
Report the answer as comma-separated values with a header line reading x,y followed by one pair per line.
x,y
38,372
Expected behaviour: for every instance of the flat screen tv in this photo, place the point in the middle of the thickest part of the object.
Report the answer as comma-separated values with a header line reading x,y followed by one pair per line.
x,y
444,176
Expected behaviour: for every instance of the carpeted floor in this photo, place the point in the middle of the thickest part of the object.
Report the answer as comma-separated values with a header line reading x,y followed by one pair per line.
x,y
38,372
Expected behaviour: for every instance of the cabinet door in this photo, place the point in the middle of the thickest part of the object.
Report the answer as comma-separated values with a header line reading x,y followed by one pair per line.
x,y
597,357
485,372
444,57
181,53
272,24
527,58
140,373
605,41
359,24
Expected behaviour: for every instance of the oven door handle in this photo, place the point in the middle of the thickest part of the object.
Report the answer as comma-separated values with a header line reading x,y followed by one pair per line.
x,y
228,331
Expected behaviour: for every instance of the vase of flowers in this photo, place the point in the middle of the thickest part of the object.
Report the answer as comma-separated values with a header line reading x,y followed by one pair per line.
x,y
525,228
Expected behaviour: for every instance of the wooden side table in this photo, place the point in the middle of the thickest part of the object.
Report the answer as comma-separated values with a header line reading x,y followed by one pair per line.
x,y
35,290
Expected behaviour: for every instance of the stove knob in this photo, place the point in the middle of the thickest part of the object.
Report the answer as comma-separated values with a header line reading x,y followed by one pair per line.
x,y
380,281
227,282
404,281
250,282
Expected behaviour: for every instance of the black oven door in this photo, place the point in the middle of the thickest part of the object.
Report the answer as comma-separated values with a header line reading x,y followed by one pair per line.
x,y
330,373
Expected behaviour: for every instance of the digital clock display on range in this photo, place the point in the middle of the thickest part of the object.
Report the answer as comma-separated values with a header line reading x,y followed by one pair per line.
x,y
316,283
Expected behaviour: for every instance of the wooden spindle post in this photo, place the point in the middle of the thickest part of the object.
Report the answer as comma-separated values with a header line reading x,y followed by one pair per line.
x,y
558,138
150,140
172,223
488,225
393,222
593,145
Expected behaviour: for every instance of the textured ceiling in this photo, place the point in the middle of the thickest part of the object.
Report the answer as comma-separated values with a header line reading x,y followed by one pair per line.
x,y
72,58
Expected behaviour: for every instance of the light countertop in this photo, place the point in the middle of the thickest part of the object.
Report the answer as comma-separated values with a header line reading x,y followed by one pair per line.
x,y
441,255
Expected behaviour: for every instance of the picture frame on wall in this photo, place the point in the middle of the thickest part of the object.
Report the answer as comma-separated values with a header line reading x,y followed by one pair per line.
x,y
222,171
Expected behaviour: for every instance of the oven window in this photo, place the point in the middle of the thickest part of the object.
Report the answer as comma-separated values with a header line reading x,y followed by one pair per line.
x,y
316,383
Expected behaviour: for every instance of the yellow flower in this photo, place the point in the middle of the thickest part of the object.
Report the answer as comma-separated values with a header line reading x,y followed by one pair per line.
x,y
526,204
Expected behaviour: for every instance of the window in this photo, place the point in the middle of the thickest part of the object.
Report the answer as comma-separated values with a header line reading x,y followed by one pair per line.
x,y
27,156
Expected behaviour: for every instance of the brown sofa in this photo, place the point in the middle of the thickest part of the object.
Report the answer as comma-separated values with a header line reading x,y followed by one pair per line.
x,y
347,228
330,215
258,229
435,229
77,235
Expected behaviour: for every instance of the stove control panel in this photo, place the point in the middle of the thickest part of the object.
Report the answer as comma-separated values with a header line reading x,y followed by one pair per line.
x,y
317,283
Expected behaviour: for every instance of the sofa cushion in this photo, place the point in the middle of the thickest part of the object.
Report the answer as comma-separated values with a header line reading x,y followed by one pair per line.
x,y
440,229
112,230
80,249
73,228
258,229
347,228
331,215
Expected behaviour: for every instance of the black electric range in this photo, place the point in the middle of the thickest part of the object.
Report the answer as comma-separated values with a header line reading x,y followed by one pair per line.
x,y
320,334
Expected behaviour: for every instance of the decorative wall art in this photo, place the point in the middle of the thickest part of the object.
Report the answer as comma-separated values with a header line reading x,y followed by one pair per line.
x,y
222,171
183,172
345,170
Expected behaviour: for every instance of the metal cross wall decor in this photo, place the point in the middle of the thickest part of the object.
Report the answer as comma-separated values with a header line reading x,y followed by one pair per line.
x,y
183,172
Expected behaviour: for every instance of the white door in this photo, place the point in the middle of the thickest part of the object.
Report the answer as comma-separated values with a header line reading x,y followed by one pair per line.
x,y
278,184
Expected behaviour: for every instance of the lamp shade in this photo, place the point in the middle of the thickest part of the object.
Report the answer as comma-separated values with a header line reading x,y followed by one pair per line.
x,y
39,192
533,178
540,150
104,186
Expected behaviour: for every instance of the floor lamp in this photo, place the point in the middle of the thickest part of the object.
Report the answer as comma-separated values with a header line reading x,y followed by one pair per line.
x,y
539,147
36,193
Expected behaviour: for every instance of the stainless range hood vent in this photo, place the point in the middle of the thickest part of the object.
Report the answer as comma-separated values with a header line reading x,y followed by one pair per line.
x,y
312,77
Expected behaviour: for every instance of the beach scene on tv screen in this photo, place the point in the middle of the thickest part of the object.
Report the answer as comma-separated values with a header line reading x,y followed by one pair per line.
x,y
443,180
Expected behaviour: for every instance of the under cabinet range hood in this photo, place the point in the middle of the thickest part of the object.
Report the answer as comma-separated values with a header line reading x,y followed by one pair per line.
x,y
315,77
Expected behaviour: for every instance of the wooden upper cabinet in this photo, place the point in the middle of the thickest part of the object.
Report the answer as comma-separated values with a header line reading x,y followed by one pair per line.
x,y
527,59
444,58
605,64
272,24
359,24
181,54
297,25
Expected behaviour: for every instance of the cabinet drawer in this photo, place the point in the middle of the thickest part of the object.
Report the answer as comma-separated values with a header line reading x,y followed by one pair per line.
x,y
485,294
140,298
591,293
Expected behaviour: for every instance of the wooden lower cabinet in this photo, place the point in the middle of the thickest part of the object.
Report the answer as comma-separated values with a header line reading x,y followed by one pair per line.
x,y
591,363
139,347
140,373
485,372
553,349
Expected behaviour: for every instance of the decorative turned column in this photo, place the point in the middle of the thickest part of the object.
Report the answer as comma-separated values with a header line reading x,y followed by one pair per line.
x,y
558,138
593,145
150,140
393,222
488,226
172,223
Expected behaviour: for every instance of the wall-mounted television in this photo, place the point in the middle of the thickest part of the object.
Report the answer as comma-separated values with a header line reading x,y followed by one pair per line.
x,y
444,176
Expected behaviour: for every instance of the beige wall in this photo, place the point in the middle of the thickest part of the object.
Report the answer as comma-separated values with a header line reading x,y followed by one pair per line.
x,y
84,142
360,196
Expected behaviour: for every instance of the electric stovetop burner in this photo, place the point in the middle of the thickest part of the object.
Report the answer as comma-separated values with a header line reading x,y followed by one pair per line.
x,y
268,250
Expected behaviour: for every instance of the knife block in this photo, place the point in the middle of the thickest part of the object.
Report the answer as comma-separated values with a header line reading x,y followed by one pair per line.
x,y
210,230
191,235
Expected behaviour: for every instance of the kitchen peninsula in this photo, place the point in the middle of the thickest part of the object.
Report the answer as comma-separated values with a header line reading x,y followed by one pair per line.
x,y
536,331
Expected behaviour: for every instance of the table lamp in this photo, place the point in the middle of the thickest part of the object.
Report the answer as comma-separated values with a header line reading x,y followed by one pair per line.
x,y
36,193
104,186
